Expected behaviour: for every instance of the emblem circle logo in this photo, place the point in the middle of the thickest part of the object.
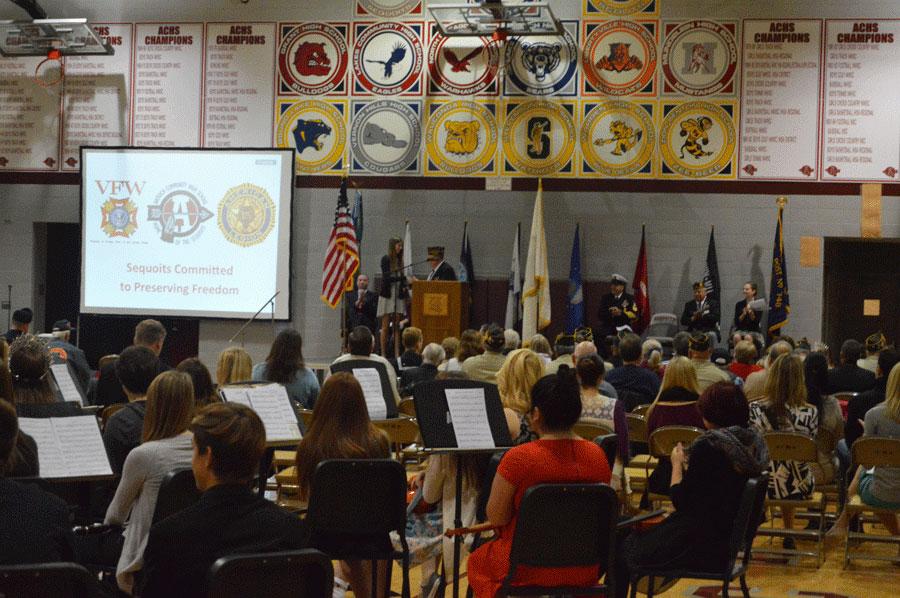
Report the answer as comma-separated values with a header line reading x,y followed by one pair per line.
x,y
312,58
697,139
387,58
619,57
385,136
316,130
539,128
617,138
461,137
540,67
699,58
387,9
449,63
246,215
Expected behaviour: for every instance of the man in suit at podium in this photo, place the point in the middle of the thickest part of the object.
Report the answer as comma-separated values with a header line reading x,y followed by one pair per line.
x,y
362,306
440,270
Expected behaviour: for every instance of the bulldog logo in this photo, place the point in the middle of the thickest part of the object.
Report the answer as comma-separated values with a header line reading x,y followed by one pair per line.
x,y
312,60
462,137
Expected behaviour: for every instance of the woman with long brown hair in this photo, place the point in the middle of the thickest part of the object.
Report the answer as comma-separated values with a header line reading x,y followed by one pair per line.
x,y
341,429
166,445
284,365
392,299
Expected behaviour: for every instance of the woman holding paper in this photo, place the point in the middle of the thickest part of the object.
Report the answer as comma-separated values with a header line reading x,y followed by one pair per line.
x,y
166,445
341,429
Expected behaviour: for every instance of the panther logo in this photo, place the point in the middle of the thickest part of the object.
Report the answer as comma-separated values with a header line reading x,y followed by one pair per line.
x,y
540,59
623,138
307,133
462,136
311,59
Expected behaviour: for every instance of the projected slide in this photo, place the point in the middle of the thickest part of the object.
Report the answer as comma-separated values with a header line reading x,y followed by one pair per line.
x,y
201,233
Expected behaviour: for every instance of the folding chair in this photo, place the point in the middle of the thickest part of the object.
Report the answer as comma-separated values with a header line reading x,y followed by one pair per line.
x,y
661,443
291,574
407,407
306,416
401,431
360,498
871,452
746,524
636,470
793,446
177,491
49,580
610,445
589,428
108,412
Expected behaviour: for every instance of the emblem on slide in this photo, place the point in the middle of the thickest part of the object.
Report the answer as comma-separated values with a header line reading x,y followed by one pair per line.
x,y
388,9
316,129
385,136
539,137
699,58
179,212
119,217
246,215
619,8
461,137
617,137
697,139
542,66
462,65
387,58
312,58
620,58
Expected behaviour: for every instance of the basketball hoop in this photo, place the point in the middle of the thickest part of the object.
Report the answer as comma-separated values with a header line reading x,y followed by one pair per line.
x,y
52,55
495,19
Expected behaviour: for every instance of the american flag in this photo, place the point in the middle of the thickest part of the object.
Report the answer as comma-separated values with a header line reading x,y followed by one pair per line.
x,y
342,254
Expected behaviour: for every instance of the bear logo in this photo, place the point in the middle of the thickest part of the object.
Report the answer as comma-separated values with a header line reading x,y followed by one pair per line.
x,y
307,133
540,58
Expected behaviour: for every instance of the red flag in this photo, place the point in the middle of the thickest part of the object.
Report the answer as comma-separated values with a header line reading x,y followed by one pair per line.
x,y
640,287
342,253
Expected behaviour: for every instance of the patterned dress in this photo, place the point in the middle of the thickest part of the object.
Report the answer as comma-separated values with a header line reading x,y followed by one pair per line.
x,y
789,479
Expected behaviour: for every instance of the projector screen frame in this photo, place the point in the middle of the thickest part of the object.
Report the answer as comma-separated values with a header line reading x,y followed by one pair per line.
x,y
265,314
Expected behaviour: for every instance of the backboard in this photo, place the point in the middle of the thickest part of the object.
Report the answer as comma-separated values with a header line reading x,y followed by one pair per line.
x,y
69,37
494,18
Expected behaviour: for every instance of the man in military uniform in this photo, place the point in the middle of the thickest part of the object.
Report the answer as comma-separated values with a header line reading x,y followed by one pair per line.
x,y
617,308
701,314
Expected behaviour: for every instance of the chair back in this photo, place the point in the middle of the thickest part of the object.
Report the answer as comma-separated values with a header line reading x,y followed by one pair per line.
x,y
609,443
875,452
664,439
48,580
407,407
357,496
306,416
642,409
565,525
484,493
292,574
401,430
589,428
637,427
748,518
108,412
844,395
177,491
106,360
791,446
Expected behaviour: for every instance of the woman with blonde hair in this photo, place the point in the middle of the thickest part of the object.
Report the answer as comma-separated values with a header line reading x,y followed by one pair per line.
x,y
520,372
166,445
784,409
234,366
540,345
469,345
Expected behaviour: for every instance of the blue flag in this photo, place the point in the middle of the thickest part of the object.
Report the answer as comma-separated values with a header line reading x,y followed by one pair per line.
x,y
357,216
466,271
575,306
779,300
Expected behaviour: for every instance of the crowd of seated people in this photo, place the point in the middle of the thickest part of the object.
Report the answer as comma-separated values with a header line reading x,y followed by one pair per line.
x,y
173,419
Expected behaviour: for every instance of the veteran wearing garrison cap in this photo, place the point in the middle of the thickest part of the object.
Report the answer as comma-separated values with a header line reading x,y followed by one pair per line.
x,y
440,270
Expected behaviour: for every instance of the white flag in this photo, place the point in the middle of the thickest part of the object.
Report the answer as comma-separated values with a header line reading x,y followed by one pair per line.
x,y
514,294
536,290
407,254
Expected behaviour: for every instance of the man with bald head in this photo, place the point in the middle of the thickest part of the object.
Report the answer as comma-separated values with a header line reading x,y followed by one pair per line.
x,y
755,385
585,348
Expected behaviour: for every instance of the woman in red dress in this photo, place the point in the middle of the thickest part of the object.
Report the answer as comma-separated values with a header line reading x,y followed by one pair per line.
x,y
558,456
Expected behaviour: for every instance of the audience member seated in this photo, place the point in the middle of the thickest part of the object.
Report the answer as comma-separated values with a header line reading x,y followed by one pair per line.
x,y
559,456
201,380
849,377
862,403
831,421
874,344
35,526
563,347
484,367
785,410
341,429
228,443
64,351
744,362
610,411
32,393
411,338
233,367
450,344
755,383
149,334
136,368
634,384
585,348
521,371
21,323
512,341
166,445
700,350
651,356
361,343
284,365
432,356
470,342
706,492
881,487
540,345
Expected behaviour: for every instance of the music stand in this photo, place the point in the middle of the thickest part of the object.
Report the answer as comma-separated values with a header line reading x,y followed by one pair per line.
x,y
436,425
387,391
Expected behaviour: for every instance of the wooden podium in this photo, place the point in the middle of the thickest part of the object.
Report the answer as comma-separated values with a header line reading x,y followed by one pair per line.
x,y
440,308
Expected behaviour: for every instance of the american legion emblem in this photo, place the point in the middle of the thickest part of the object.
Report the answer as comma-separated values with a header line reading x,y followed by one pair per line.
x,y
699,58
697,139
119,217
617,138
461,137
246,215
539,137
312,58
316,129
619,57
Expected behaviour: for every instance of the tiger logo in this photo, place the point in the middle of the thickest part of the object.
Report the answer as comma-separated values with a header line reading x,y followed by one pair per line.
x,y
540,59
308,133
312,60
462,136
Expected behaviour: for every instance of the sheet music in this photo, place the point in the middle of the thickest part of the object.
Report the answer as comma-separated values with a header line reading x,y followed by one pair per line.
x,y
470,418
68,447
66,384
237,394
273,406
370,381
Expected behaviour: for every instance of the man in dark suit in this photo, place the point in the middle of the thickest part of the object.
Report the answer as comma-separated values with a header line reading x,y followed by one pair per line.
x,y
362,306
701,314
35,525
440,270
148,333
849,377
617,308
229,442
